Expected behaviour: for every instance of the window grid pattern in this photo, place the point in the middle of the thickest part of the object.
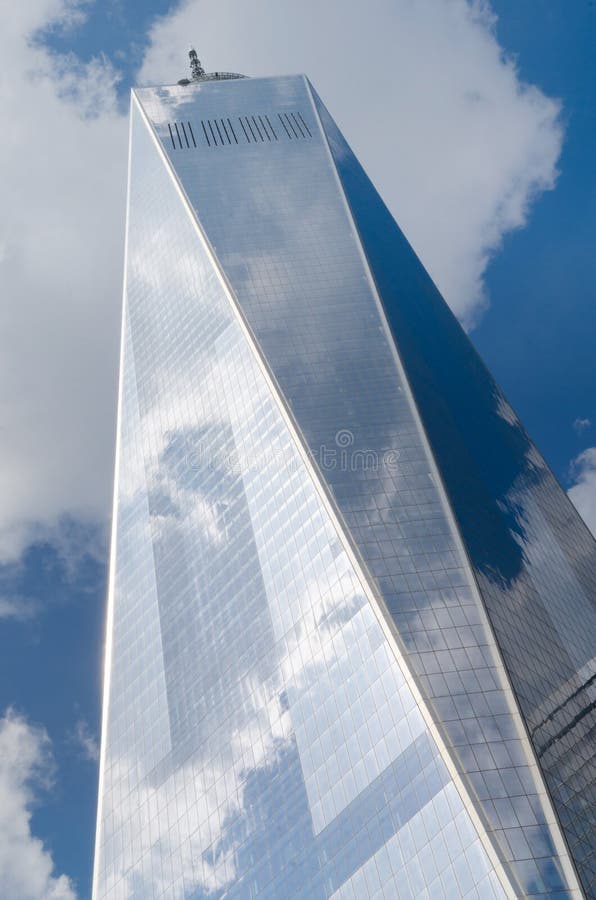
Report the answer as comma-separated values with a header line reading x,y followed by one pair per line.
x,y
290,251
533,557
261,739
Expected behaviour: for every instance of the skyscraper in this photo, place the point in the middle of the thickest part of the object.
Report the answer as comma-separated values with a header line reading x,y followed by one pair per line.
x,y
351,620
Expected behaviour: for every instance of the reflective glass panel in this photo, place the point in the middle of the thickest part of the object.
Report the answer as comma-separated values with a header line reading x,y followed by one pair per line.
x,y
285,238
534,559
263,737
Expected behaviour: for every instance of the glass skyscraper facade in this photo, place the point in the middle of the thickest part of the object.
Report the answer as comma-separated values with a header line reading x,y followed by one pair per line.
x,y
351,616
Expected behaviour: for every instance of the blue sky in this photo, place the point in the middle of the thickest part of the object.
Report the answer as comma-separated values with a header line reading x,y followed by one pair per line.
x,y
520,265
538,337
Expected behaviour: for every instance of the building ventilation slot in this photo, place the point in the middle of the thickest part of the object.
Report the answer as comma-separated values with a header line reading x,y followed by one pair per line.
x,y
177,138
252,129
304,126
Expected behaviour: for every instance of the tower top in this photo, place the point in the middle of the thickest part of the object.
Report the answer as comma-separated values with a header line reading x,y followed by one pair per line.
x,y
198,73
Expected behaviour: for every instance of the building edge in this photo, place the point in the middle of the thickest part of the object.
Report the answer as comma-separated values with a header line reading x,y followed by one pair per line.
x,y
523,731
108,638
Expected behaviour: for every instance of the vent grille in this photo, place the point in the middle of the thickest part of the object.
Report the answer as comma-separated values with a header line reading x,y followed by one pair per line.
x,y
182,132
250,129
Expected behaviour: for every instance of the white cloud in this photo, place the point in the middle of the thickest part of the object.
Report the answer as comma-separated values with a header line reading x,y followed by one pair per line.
x,y
580,424
70,545
457,145
61,237
15,606
26,866
583,492
87,742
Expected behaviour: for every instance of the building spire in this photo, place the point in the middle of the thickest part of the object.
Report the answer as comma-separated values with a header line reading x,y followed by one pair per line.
x,y
197,70
198,73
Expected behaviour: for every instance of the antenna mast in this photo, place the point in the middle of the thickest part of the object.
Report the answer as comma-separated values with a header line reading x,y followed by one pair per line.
x,y
198,73
197,70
